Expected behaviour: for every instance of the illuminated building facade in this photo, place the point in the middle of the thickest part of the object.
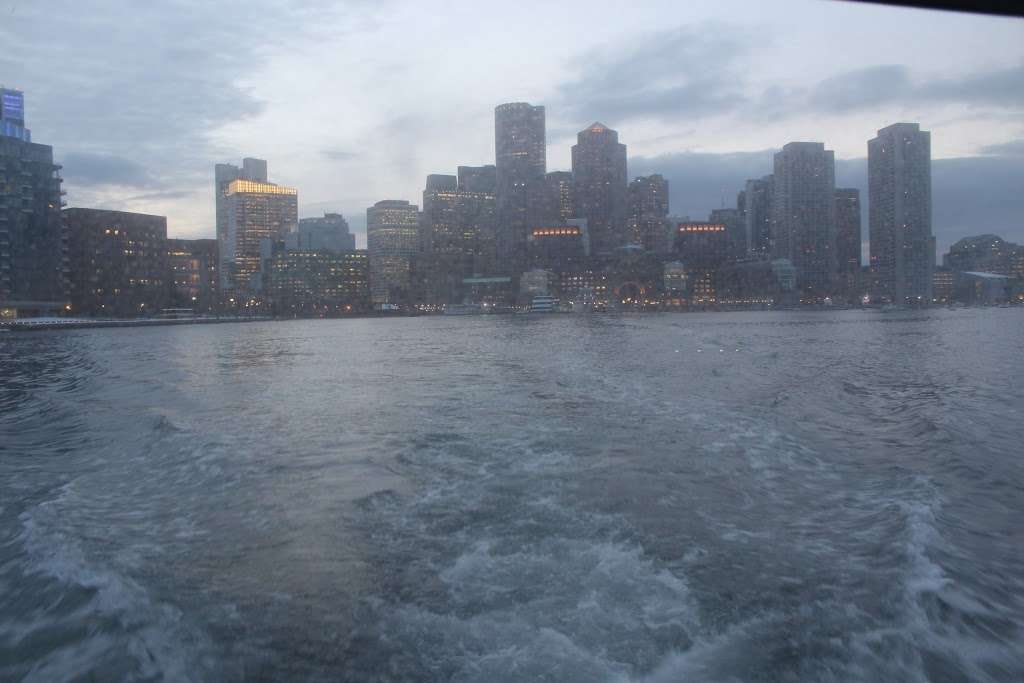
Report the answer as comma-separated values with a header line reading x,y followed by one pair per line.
x,y
33,237
520,160
392,239
675,284
119,265
599,174
305,283
900,213
193,274
256,211
648,213
223,176
803,215
757,203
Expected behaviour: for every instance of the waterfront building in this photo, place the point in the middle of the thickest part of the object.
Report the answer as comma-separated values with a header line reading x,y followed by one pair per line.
x,y
943,285
647,222
752,283
536,282
223,176
256,211
982,289
703,248
633,278
900,213
317,283
803,215
675,284
986,253
560,247
119,264
520,161
757,204
392,239
848,242
329,232
456,234
193,274
599,177
33,237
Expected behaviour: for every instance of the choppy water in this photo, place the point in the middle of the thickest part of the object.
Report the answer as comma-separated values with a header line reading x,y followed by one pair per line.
x,y
722,497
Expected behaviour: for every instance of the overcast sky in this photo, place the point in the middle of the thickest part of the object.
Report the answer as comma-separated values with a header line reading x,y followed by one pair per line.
x,y
356,102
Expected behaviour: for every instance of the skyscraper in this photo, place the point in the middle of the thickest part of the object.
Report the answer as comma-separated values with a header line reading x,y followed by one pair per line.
x,y
735,227
848,238
599,174
648,213
560,197
520,160
392,236
33,250
329,232
757,203
256,211
223,175
803,215
900,213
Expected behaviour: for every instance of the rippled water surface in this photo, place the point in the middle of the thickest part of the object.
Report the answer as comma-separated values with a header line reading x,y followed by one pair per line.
x,y
713,497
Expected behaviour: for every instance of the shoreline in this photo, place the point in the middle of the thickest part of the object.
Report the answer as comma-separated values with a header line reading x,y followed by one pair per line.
x,y
35,324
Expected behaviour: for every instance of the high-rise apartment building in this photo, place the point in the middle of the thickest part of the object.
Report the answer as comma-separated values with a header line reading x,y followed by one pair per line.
x,y
119,264
803,215
900,213
223,176
392,239
757,203
33,238
848,239
599,174
193,274
256,211
648,213
520,160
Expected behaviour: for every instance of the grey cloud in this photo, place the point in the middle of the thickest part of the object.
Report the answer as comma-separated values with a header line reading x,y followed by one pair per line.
x,y
338,154
91,170
699,71
684,72
150,84
1013,148
871,86
970,195
893,84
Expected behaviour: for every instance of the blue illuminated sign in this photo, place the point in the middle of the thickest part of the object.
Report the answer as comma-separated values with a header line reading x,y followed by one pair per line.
x,y
13,106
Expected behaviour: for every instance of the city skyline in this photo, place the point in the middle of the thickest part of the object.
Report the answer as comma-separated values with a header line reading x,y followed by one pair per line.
x,y
706,123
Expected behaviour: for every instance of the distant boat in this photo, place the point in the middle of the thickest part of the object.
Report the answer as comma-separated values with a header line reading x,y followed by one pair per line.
x,y
544,304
